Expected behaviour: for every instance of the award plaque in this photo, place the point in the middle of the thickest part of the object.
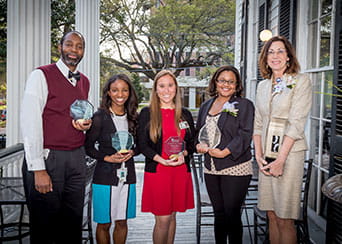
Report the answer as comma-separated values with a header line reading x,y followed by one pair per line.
x,y
274,138
81,110
173,146
210,135
122,141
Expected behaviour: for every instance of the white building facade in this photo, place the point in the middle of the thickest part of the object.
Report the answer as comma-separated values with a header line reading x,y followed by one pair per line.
x,y
310,26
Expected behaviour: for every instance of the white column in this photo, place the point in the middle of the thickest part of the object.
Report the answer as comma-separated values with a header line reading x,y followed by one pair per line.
x,y
192,97
238,44
87,22
28,46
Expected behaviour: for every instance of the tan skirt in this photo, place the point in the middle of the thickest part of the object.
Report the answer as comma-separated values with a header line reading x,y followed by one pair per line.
x,y
283,194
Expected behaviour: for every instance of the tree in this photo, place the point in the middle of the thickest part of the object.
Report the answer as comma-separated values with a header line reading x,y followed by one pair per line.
x,y
62,21
176,35
3,45
108,70
140,90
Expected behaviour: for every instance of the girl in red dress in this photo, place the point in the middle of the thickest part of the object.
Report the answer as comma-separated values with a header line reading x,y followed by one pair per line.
x,y
167,185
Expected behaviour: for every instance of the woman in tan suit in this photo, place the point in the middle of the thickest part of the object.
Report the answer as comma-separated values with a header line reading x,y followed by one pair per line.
x,y
283,103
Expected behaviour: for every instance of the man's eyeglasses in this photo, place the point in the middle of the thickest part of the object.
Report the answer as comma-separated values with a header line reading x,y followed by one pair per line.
x,y
229,82
279,52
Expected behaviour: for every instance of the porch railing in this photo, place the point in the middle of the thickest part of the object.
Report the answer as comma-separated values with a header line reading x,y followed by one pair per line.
x,y
11,160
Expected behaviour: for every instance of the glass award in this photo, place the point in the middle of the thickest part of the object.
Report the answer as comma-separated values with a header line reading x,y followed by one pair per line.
x,y
122,141
210,135
173,146
81,110
274,138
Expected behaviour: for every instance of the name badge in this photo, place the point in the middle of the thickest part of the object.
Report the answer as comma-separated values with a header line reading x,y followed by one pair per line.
x,y
184,125
121,173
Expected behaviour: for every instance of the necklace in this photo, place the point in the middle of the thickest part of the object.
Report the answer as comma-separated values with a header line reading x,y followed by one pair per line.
x,y
115,114
120,121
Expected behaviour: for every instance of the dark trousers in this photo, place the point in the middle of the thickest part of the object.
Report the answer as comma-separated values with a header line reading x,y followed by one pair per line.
x,y
227,194
56,217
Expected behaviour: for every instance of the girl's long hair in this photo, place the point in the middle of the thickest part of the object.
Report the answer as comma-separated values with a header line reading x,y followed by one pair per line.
x,y
131,105
155,113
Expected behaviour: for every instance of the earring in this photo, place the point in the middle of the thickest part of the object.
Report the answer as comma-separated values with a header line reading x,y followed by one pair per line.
x,y
287,63
267,66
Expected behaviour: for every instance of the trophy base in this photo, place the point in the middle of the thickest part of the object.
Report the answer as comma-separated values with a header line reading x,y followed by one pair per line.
x,y
174,157
123,151
269,160
81,121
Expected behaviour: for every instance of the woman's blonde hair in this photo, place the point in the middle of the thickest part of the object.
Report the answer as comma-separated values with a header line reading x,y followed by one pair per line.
x,y
155,113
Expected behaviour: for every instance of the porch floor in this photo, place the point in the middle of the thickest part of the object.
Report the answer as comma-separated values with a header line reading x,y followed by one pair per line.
x,y
140,228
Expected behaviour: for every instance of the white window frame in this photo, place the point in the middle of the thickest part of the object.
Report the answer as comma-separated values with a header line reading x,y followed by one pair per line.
x,y
321,120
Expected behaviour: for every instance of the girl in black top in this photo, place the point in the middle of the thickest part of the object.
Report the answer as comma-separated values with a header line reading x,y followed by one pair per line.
x,y
113,200
228,167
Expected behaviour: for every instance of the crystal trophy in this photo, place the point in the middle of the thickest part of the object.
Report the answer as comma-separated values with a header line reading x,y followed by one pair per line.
x,y
274,139
81,110
174,146
210,135
122,141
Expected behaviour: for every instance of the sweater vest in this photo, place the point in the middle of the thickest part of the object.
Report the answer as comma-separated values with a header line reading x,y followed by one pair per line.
x,y
58,131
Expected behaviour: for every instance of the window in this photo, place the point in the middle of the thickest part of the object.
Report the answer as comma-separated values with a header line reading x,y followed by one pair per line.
x,y
200,96
320,26
320,61
187,72
185,96
321,119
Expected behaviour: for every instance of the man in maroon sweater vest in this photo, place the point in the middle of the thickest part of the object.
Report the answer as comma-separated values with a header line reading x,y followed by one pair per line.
x,y
54,165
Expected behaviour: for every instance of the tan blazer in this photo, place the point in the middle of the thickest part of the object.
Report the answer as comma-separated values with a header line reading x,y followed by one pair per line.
x,y
291,104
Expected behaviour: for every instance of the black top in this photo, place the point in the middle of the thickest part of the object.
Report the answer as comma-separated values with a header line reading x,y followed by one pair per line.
x,y
150,149
236,132
100,132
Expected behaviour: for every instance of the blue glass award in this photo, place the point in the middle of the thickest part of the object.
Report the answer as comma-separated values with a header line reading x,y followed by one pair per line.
x,y
81,110
122,141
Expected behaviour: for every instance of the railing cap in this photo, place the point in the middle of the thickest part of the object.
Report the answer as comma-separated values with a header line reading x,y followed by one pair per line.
x,y
12,149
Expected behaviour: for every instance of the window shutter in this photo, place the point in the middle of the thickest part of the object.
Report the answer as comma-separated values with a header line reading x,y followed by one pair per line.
x,y
243,53
262,26
334,218
288,20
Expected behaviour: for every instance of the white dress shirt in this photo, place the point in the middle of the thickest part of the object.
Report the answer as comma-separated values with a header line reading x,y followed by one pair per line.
x,y
31,121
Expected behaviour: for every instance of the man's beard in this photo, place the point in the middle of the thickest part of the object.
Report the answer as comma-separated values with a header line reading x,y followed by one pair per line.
x,y
70,61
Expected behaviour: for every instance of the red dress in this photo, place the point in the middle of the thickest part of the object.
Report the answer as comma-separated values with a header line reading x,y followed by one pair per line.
x,y
170,189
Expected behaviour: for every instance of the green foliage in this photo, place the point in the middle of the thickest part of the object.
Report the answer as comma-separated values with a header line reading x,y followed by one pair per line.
x,y
139,89
206,73
3,32
107,70
3,89
175,36
2,123
62,21
3,45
